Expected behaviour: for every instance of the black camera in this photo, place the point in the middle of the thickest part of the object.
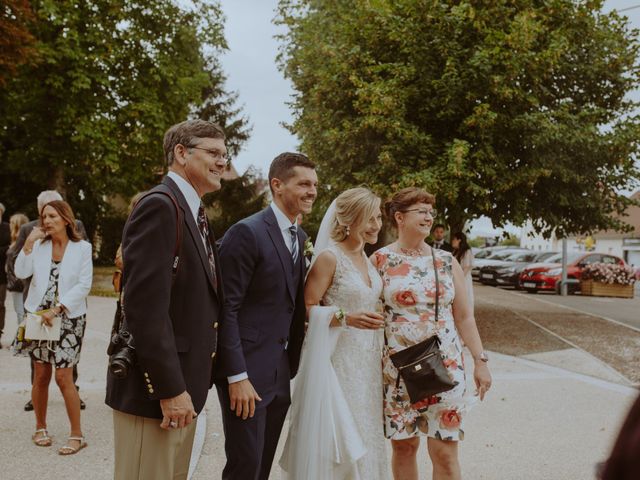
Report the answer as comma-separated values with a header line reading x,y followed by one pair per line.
x,y
122,353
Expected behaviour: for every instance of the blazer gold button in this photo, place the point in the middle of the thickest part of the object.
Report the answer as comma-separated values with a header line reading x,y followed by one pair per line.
x,y
215,325
151,390
148,381
146,374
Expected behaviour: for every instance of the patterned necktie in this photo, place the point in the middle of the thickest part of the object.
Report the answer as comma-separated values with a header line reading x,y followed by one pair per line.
x,y
203,226
294,243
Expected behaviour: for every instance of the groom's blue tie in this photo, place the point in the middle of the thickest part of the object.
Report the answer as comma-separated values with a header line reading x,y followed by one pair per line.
x,y
294,243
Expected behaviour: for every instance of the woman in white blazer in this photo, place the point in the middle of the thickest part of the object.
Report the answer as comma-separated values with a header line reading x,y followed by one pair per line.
x,y
59,264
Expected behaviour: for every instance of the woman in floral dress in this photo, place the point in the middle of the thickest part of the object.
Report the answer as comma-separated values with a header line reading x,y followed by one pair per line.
x,y
59,264
407,269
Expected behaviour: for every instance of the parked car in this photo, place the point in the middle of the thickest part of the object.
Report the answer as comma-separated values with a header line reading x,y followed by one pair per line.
x,y
506,273
487,251
500,254
545,276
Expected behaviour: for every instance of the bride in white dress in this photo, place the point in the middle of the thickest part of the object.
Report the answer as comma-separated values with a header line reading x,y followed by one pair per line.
x,y
336,429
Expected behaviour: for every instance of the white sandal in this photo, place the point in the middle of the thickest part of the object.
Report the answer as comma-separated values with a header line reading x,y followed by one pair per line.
x,y
69,450
44,440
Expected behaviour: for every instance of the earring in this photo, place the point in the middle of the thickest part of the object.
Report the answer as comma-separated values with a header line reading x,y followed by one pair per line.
x,y
347,230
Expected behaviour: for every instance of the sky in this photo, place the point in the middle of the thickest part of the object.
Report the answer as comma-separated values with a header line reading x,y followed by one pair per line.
x,y
252,72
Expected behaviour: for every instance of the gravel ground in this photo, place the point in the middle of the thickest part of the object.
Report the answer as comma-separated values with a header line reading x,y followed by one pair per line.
x,y
502,321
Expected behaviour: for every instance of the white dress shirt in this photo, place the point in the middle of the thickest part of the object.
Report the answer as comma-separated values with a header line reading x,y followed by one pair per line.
x,y
284,224
190,194
192,198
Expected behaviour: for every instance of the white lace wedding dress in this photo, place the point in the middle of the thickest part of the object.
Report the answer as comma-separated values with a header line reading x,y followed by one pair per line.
x,y
353,447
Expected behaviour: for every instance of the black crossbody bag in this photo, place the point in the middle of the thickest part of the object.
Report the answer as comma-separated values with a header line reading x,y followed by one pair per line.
x,y
420,366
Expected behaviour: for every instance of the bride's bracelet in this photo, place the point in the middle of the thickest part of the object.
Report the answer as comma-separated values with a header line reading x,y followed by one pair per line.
x,y
341,316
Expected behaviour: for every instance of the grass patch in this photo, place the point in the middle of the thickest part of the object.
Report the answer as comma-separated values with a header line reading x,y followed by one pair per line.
x,y
101,285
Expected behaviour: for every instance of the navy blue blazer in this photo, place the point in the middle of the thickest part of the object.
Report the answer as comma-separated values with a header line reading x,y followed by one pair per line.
x,y
264,310
174,326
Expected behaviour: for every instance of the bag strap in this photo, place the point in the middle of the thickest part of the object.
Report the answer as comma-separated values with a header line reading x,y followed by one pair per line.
x,y
162,190
435,270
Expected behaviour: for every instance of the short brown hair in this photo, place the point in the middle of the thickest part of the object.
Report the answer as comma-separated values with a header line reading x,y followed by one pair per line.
x,y
403,199
65,211
282,166
186,133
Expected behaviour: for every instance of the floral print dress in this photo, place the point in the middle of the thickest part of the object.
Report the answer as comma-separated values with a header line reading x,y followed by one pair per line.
x,y
64,353
409,297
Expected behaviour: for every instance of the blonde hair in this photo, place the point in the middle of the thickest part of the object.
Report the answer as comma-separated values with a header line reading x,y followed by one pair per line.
x,y
15,222
354,207
135,199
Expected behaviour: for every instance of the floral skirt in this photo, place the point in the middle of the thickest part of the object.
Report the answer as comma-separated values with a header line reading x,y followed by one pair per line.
x,y
440,416
64,353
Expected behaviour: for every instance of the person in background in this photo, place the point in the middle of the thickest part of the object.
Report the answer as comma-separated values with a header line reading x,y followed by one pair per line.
x,y
464,255
60,266
14,284
438,238
5,241
45,197
117,275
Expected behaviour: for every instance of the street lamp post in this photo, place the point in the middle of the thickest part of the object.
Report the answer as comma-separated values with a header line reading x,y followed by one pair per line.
x,y
563,282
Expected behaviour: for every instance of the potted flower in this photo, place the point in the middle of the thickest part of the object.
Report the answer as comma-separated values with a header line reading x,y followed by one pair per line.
x,y
607,280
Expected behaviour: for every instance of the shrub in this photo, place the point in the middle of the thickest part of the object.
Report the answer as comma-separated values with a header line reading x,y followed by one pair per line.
x,y
609,273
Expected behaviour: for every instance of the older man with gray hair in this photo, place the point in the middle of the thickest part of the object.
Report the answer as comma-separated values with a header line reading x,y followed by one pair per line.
x,y
44,197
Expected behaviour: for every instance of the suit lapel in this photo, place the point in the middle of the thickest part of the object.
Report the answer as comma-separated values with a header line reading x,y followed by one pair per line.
x,y
192,227
273,229
43,265
67,258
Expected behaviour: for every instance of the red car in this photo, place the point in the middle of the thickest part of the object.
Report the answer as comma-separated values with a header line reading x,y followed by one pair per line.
x,y
545,276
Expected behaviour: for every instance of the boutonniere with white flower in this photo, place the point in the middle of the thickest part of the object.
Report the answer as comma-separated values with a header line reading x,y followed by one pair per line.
x,y
308,248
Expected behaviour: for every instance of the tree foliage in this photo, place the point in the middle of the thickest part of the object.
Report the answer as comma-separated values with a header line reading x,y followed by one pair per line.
x,y
513,109
16,42
237,199
88,119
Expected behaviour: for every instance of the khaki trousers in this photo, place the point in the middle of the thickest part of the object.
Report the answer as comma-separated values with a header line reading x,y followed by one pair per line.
x,y
144,451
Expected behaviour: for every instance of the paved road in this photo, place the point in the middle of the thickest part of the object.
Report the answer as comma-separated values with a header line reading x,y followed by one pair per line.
x,y
538,422
522,324
623,310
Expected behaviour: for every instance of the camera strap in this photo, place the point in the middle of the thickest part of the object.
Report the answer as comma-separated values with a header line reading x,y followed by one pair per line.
x,y
166,191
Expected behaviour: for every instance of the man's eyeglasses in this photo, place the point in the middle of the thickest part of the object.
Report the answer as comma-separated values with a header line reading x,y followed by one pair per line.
x,y
216,154
432,213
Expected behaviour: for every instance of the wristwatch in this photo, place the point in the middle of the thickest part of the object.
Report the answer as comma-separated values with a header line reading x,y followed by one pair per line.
x,y
483,357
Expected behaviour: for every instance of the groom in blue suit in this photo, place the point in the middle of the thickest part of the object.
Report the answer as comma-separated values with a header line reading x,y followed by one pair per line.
x,y
261,333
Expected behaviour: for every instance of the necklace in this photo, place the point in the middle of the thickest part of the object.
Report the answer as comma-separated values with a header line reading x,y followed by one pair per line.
x,y
412,252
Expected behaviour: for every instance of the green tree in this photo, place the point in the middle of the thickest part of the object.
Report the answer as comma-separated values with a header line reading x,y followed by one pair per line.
x,y
16,42
513,109
510,241
237,199
113,75
477,242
